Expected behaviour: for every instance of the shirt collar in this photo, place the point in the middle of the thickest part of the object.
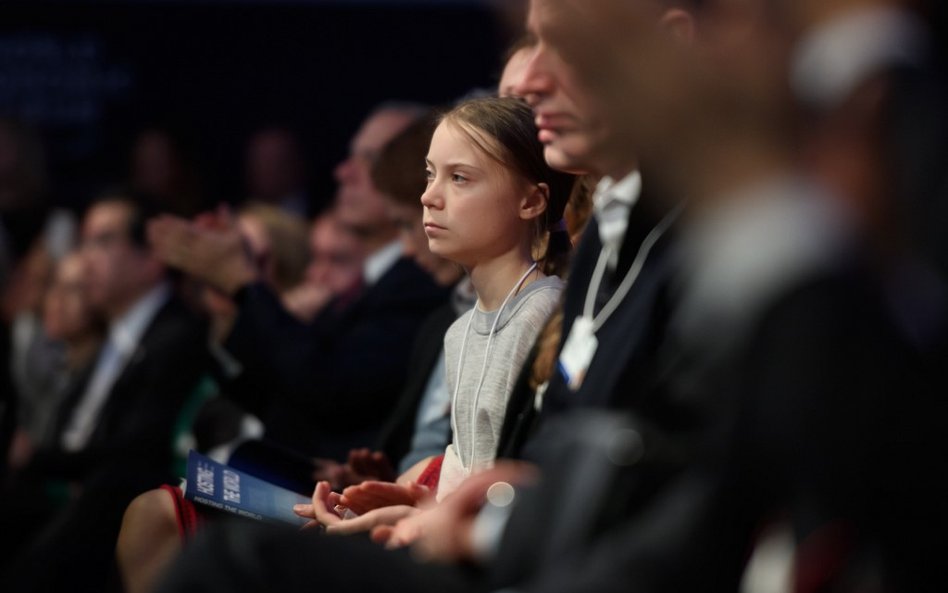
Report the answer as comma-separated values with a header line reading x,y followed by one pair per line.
x,y
625,191
126,332
380,262
612,203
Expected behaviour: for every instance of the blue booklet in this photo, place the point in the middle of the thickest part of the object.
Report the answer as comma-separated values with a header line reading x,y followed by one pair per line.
x,y
222,487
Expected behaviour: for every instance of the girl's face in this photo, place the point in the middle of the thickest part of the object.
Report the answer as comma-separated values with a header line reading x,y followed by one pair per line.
x,y
474,207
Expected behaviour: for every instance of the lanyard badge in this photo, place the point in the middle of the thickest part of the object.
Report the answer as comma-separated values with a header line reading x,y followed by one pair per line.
x,y
581,344
578,352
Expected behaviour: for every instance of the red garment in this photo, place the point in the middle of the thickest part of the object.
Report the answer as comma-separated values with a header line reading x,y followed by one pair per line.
x,y
432,473
188,516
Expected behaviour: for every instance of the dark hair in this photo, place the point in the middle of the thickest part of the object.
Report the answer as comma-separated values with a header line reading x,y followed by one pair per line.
x,y
523,42
509,122
397,171
141,209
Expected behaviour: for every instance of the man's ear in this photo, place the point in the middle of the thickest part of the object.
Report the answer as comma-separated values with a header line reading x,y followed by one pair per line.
x,y
680,24
535,202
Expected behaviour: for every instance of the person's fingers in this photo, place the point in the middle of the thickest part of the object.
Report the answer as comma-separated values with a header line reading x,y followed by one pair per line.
x,y
387,496
359,457
370,520
358,504
419,491
387,488
305,510
404,534
160,231
334,475
322,512
320,492
362,502
356,489
376,463
381,534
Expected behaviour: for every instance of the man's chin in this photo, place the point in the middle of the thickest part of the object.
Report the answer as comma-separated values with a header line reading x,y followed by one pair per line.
x,y
562,160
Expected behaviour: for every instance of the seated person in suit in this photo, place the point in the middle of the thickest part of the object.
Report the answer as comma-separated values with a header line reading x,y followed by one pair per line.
x,y
334,269
112,438
334,379
277,243
618,295
318,370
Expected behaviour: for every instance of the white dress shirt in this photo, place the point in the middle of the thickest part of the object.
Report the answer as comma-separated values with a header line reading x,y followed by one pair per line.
x,y
612,202
380,262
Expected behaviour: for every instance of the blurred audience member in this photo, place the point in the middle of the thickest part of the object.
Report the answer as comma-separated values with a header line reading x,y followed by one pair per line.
x,y
781,343
276,172
334,271
515,64
161,170
877,136
32,239
70,322
275,241
331,378
113,433
35,357
330,403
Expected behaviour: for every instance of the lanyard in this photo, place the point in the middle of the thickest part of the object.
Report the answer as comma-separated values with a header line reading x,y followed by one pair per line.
x,y
480,382
630,277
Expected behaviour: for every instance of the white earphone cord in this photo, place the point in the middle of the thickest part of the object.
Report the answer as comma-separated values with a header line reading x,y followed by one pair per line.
x,y
480,382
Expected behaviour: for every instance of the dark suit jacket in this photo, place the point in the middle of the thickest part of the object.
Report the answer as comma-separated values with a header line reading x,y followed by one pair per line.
x,y
334,381
822,419
129,452
136,422
396,436
624,370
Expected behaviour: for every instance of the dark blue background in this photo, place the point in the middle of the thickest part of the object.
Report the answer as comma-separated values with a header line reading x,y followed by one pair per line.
x,y
92,74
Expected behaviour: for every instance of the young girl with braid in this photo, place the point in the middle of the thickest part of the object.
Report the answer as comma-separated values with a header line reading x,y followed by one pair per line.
x,y
493,206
